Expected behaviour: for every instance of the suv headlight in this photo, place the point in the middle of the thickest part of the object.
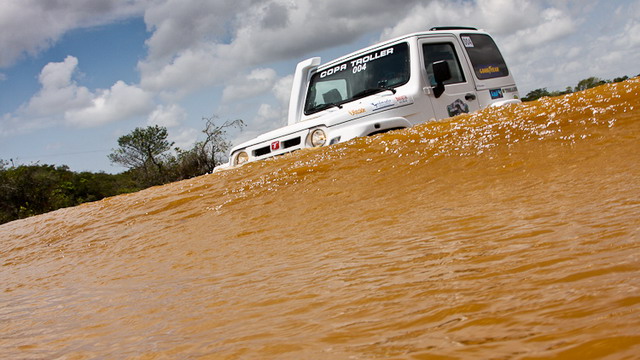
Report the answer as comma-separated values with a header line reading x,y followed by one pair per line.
x,y
318,137
241,158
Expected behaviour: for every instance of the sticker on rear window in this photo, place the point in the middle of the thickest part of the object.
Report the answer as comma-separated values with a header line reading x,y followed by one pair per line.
x,y
467,41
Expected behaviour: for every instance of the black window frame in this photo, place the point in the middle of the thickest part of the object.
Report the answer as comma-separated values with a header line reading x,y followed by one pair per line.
x,y
398,48
486,59
429,61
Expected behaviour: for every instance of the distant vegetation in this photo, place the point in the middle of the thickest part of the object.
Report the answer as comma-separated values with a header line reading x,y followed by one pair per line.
x,y
583,84
28,190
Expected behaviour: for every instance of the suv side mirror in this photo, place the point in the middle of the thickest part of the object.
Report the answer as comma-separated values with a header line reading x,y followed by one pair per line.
x,y
441,73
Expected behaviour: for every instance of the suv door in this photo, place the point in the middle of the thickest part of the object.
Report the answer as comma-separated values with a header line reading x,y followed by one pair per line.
x,y
459,94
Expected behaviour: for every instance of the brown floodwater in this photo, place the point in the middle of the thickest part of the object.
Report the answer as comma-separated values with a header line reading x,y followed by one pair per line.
x,y
511,233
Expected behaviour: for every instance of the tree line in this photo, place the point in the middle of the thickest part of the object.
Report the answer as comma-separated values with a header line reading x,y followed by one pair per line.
x,y
583,84
150,158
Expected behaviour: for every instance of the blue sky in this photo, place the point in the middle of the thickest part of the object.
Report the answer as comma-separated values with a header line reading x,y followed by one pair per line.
x,y
77,74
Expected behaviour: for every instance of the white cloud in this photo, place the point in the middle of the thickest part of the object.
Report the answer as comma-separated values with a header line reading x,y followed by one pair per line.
x,y
61,100
277,113
58,92
516,20
527,31
505,16
191,70
11,124
554,24
185,138
282,89
179,25
570,53
30,26
184,49
631,35
120,102
168,116
496,16
427,15
193,48
274,115
257,82
574,41
268,114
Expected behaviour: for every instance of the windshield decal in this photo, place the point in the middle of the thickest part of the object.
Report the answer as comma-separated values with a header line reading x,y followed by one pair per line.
x,y
357,65
375,56
333,70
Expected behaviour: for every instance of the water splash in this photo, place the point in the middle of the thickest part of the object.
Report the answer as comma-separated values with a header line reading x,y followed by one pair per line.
x,y
508,233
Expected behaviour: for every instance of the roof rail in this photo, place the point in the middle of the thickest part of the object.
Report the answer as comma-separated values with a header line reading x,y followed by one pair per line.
x,y
436,28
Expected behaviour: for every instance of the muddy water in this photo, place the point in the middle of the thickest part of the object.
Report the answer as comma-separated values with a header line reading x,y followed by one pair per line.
x,y
510,233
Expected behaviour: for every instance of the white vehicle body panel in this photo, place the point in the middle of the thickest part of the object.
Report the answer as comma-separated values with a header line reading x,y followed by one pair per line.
x,y
411,102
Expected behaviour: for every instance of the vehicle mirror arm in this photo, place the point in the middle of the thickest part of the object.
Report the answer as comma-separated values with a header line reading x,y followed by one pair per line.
x,y
441,73
438,90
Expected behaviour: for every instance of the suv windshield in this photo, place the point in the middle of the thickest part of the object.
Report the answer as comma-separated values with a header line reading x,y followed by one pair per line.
x,y
485,56
358,77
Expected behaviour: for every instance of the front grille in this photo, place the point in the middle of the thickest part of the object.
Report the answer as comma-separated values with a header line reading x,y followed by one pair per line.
x,y
291,142
285,145
262,151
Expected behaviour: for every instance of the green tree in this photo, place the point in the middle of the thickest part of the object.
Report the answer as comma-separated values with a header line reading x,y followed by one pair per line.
x,y
28,190
619,79
536,94
205,155
34,189
144,151
215,145
589,83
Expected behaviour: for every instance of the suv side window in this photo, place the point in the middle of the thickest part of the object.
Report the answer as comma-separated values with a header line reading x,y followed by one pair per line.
x,y
446,52
329,92
484,55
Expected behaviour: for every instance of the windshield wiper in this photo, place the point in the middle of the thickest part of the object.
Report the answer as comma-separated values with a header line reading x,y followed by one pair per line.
x,y
325,107
371,91
359,95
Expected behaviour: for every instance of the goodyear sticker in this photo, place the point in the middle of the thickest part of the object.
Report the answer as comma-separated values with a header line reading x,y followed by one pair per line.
x,y
489,70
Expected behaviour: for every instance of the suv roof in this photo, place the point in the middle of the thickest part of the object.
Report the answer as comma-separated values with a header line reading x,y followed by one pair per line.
x,y
390,41
438,28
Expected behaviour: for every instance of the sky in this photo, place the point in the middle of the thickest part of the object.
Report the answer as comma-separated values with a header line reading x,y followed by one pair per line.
x,y
75,75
